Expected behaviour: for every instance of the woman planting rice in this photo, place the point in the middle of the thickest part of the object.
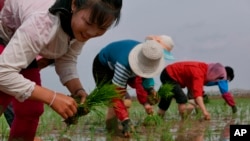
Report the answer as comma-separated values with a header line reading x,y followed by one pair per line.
x,y
55,30
121,60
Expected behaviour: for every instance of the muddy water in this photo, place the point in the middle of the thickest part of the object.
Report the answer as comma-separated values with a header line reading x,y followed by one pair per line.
x,y
171,129
91,128
189,130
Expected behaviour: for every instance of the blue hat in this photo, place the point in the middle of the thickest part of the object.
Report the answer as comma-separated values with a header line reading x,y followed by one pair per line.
x,y
166,42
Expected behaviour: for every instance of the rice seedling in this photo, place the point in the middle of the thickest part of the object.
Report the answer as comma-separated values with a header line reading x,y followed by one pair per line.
x,y
153,120
167,130
167,136
165,90
92,126
100,96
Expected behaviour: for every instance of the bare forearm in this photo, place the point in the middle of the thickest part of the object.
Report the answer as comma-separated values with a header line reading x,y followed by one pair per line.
x,y
61,103
76,89
73,85
42,94
199,101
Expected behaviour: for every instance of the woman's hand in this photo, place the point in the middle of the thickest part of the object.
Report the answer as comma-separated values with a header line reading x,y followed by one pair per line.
x,y
199,101
81,94
152,96
80,97
207,116
148,108
77,90
64,105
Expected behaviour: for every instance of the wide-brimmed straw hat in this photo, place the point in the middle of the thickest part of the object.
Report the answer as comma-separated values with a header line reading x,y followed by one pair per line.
x,y
166,42
147,59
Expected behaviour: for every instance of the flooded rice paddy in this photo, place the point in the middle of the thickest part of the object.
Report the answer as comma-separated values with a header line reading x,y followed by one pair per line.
x,y
171,128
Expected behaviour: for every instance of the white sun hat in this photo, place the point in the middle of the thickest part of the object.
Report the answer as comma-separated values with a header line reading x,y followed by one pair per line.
x,y
147,59
166,42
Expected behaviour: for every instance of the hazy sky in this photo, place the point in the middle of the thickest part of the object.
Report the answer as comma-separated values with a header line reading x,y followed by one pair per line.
x,y
210,31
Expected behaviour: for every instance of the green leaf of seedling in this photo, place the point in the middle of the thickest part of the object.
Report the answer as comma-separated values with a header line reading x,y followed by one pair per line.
x,y
100,96
166,90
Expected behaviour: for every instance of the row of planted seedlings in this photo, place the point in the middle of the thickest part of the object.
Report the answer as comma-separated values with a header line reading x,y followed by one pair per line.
x,y
148,127
92,125
88,123
194,127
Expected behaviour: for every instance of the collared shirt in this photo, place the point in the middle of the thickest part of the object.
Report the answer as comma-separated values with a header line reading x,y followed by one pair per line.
x,y
30,30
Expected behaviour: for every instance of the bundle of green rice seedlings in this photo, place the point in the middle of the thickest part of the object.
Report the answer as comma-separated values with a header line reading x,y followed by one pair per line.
x,y
100,96
152,120
153,97
165,90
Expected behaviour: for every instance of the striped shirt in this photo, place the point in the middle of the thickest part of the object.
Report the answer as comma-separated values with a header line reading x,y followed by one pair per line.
x,y
115,56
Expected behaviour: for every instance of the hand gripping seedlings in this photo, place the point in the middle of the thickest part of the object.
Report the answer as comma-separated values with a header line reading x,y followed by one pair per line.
x,y
100,96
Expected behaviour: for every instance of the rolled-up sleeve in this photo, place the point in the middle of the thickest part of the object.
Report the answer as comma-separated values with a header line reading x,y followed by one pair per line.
x,y
26,43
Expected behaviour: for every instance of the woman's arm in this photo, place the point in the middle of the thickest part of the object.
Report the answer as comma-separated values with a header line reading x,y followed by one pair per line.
x,y
61,103
199,101
76,89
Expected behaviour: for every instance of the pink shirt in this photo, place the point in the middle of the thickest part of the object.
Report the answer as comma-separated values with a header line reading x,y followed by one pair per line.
x,y
30,30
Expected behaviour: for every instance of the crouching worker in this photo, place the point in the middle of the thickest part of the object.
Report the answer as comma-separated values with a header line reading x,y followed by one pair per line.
x,y
194,75
121,60
146,96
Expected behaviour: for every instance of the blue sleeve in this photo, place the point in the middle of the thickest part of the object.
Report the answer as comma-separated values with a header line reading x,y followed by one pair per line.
x,y
148,82
223,86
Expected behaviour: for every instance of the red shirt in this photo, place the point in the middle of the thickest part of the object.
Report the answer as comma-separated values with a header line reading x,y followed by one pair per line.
x,y
189,74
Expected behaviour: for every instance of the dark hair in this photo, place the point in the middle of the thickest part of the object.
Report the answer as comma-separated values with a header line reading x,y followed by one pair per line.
x,y
101,10
230,73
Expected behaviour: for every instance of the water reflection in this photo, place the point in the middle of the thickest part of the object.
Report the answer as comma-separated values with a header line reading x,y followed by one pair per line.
x,y
225,134
216,129
191,130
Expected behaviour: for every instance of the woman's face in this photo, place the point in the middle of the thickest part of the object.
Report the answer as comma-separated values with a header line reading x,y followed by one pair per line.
x,y
83,29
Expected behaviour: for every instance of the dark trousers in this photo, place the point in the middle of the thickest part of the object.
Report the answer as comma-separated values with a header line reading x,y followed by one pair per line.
x,y
102,74
9,114
178,93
